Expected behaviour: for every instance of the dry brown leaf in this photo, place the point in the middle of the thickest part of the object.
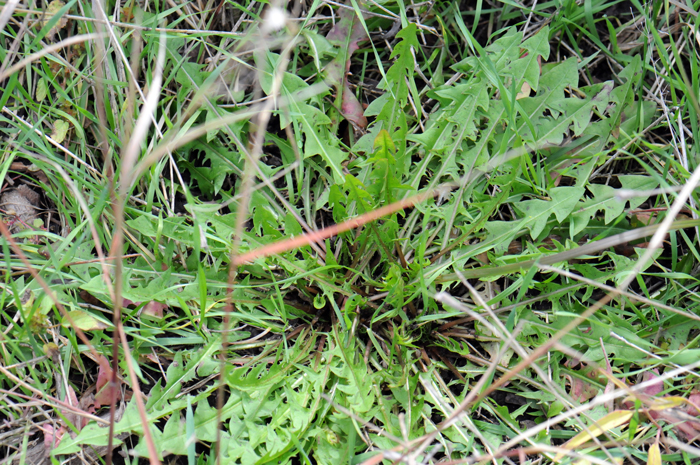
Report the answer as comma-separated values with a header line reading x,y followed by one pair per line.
x,y
524,91
21,205
154,309
104,391
51,10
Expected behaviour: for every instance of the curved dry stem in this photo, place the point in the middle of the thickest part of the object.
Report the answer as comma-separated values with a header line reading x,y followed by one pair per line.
x,y
175,142
128,161
6,12
48,50
242,217
88,217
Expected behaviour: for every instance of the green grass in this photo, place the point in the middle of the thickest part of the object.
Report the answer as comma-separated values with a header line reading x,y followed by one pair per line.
x,y
520,270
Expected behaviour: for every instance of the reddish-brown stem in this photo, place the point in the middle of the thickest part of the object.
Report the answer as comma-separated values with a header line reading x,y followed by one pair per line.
x,y
330,231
